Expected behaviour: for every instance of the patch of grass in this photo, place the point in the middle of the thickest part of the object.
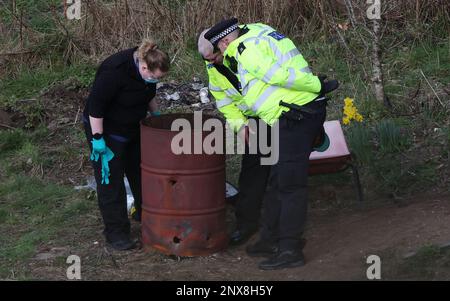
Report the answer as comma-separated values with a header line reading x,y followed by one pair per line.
x,y
24,159
186,65
390,136
21,94
371,110
3,216
31,82
393,176
424,174
446,139
39,134
433,59
429,263
26,193
328,59
403,77
36,11
73,209
25,246
33,212
324,57
340,178
11,140
359,138
68,152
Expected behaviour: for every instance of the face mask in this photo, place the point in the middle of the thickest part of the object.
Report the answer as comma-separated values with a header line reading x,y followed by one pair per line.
x,y
148,80
151,80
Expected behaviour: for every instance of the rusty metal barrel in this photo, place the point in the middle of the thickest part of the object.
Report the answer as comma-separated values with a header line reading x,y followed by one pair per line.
x,y
183,195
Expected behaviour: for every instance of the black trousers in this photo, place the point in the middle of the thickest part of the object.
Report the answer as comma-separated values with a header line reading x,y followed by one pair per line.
x,y
112,199
253,179
286,199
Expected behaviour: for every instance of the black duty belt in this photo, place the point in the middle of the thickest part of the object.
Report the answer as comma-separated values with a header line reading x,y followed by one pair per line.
x,y
297,112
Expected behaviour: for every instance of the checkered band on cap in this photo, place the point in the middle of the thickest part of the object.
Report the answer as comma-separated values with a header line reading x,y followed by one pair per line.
x,y
223,34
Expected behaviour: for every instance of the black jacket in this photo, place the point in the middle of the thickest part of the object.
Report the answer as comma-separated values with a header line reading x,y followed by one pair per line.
x,y
119,95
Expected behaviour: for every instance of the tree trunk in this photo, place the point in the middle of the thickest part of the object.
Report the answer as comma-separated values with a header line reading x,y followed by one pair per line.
x,y
377,67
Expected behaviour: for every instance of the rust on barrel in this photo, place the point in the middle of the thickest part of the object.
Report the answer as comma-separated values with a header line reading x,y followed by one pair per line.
x,y
183,195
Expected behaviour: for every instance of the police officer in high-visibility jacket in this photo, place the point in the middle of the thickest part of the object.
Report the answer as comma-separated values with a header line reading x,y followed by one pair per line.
x,y
225,87
279,87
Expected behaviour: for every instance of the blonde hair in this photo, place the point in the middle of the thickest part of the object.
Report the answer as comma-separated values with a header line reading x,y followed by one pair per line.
x,y
155,58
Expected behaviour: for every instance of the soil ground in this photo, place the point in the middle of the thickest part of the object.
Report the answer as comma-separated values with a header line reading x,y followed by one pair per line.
x,y
338,243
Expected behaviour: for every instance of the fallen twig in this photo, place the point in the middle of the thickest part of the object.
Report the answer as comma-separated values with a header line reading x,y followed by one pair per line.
x,y
434,91
7,126
112,258
16,53
175,56
417,92
76,117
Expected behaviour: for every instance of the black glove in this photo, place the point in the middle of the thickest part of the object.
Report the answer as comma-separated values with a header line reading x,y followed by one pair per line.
x,y
327,85
322,77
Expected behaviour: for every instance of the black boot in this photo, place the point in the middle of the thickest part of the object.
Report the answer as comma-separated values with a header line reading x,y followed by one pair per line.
x,y
267,249
241,236
262,249
284,259
121,243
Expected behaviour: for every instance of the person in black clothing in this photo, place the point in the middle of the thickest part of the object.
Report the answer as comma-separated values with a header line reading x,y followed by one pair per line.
x,y
121,95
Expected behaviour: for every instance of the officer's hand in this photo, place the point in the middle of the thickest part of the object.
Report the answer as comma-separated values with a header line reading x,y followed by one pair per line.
x,y
327,85
322,77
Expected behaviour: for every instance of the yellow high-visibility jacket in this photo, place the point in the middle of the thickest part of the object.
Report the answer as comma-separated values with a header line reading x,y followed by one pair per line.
x,y
270,69
228,99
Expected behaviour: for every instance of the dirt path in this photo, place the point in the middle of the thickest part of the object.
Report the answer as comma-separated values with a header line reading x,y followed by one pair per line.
x,y
338,244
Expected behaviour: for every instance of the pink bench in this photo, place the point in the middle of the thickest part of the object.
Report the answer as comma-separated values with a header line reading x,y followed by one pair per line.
x,y
336,158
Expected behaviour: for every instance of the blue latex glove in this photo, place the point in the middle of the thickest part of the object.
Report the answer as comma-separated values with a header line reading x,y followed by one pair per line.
x,y
106,157
100,150
156,113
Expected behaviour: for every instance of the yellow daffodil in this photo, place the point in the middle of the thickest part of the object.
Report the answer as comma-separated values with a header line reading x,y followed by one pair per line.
x,y
350,112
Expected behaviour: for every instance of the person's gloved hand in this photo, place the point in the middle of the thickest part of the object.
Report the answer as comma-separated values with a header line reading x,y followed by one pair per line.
x,y
327,85
98,147
100,150
322,77
105,158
